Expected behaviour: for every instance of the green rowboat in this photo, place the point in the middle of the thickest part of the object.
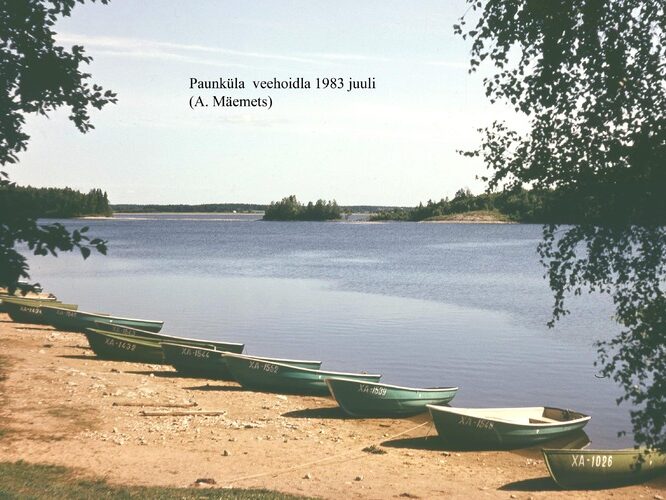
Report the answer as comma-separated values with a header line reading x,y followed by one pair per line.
x,y
151,348
126,330
31,311
257,374
601,468
78,321
32,298
123,348
209,363
371,399
504,427
161,337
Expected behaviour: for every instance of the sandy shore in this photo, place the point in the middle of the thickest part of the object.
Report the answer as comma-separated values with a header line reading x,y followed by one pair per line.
x,y
63,406
466,221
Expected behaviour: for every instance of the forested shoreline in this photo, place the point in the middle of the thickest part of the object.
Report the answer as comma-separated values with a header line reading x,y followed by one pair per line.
x,y
54,203
517,205
135,208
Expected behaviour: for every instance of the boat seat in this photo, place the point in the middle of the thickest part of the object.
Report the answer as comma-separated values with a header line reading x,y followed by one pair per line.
x,y
543,420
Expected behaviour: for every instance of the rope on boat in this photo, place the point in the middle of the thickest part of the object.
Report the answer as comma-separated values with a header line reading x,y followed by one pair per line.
x,y
325,459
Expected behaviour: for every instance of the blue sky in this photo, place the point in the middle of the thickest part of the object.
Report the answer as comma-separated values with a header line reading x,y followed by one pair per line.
x,y
392,145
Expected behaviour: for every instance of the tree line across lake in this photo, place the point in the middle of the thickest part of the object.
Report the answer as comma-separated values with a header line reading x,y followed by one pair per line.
x,y
53,202
546,206
517,205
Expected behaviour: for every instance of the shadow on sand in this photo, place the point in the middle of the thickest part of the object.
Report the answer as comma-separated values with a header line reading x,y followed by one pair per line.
x,y
432,441
156,373
533,485
333,413
220,388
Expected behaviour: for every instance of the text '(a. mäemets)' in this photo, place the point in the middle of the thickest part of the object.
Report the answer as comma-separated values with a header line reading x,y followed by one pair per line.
x,y
225,101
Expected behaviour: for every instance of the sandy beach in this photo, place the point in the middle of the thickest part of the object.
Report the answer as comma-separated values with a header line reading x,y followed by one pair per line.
x,y
61,405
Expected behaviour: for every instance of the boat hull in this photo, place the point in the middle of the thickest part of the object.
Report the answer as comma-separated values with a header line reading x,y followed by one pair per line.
x,y
602,468
260,375
363,399
471,431
195,361
169,339
28,298
78,321
31,311
123,348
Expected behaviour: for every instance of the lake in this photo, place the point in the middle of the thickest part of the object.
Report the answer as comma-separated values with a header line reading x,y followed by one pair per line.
x,y
423,304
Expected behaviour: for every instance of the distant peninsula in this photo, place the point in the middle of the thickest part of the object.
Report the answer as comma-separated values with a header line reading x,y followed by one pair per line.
x,y
515,205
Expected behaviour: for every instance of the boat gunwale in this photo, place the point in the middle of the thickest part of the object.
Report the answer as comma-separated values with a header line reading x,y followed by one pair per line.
x,y
149,332
621,451
313,361
451,409
105,315
318,372
212,342
31,303
12,298
411,389
122,338
156,340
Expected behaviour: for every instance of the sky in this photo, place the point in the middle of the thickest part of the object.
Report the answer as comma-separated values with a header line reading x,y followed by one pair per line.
x,y
392,145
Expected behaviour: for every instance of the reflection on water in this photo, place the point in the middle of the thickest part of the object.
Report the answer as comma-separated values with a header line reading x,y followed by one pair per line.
x,y
424,304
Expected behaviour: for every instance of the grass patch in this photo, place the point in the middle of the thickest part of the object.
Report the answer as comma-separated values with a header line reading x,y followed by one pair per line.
x,y
374,450
4,365
75,418
34,481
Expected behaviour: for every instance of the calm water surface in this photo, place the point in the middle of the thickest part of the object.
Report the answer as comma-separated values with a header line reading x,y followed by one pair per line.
x,y
423,304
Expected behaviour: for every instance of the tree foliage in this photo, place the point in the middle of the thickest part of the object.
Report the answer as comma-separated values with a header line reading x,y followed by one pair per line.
x,y
202,208
589,76
519,205
290,208
38,76
34,202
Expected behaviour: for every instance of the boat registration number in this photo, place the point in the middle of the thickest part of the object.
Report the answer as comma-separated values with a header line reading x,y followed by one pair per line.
x,y
267,367
120,329
32,310
195,353
371,389
120,344
477,423
67,314
595,461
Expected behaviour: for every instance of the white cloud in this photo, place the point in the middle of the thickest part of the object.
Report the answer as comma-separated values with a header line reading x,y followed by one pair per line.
x,y
157,54
140,48
151,48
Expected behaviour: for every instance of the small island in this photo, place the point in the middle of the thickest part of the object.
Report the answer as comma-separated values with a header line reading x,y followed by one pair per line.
x,y
290,208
